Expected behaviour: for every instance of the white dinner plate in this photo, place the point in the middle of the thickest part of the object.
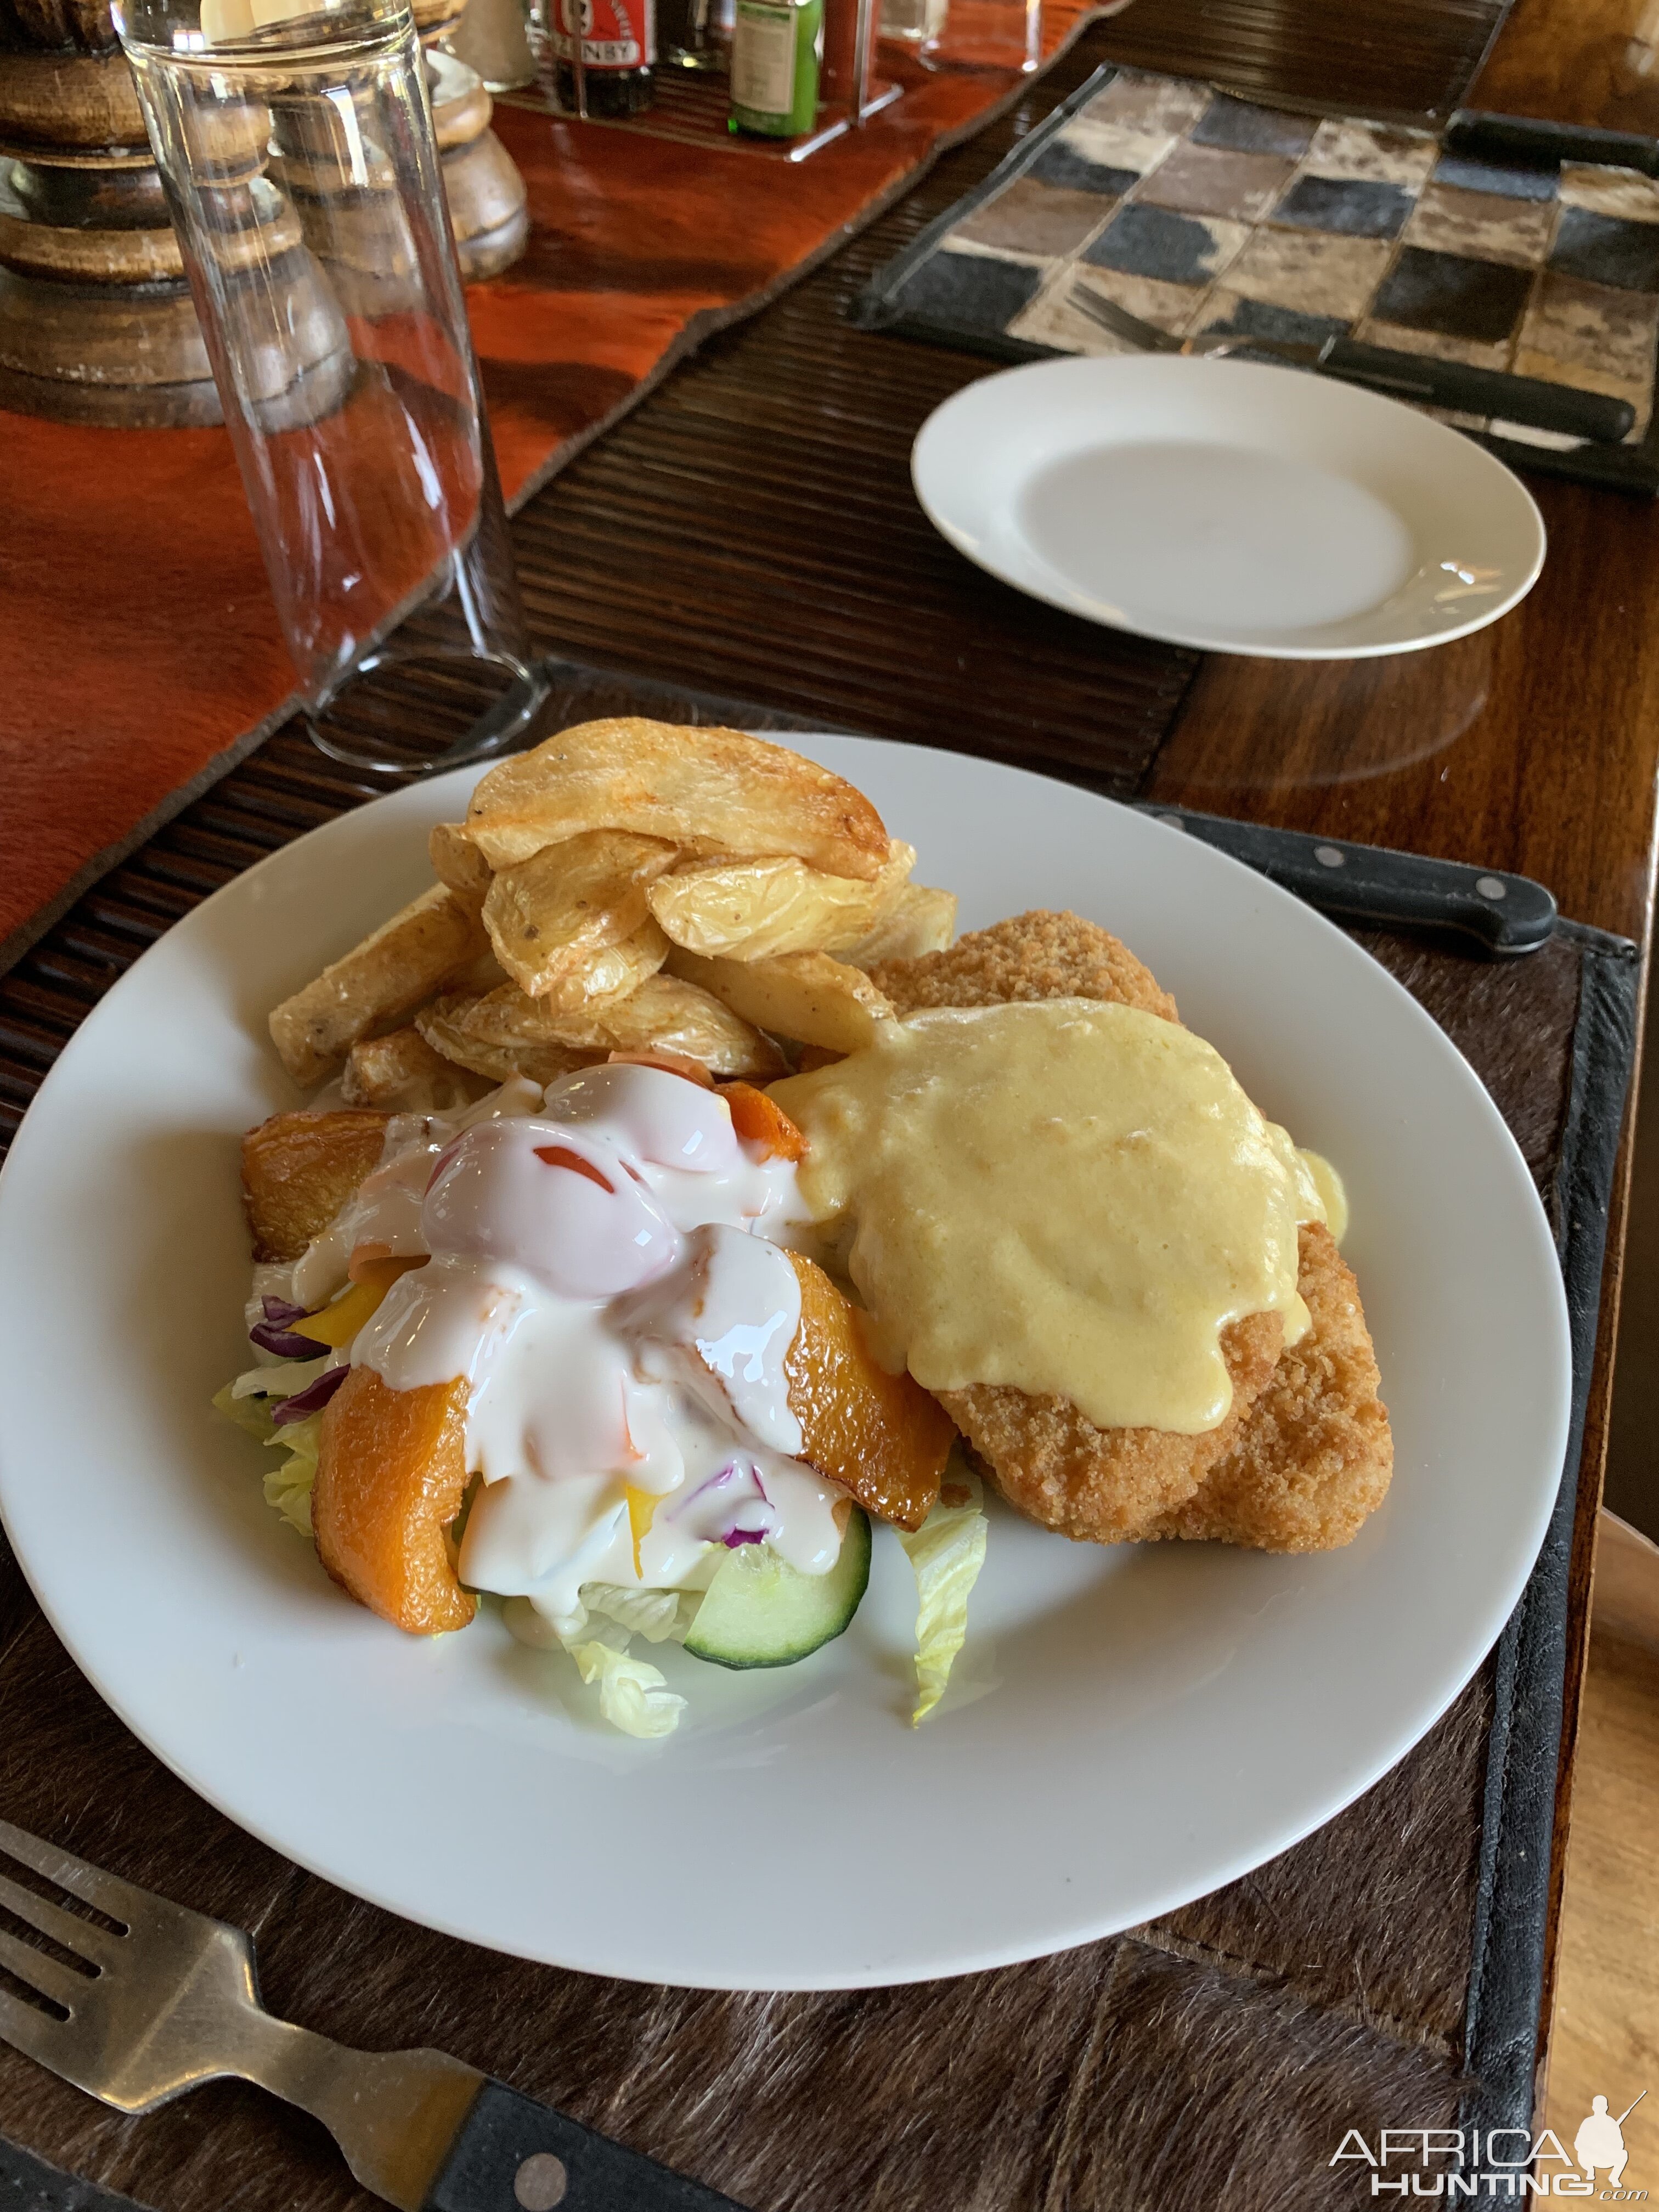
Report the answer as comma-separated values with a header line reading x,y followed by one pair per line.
x,y
1229,505
1126,1728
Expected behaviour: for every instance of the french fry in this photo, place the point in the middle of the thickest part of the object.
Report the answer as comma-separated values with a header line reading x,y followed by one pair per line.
x,y
442,1025
378,983
549,915
611,973
755,909
807,996
457,861
401,1073
711,791
664,1015
920,921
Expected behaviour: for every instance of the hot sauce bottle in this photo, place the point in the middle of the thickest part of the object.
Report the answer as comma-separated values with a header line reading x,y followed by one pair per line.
x,y
618,53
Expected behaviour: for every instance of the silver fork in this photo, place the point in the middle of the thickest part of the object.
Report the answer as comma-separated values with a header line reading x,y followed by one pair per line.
x,y
166,1998
1423,378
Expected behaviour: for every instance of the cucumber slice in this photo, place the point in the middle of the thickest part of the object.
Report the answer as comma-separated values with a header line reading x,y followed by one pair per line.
x,y
759,1612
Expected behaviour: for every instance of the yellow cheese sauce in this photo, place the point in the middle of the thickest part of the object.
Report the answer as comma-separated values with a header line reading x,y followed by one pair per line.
x,y
1064,1195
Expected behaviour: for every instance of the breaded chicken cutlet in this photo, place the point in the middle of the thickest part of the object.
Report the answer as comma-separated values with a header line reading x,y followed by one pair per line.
x,y
1305,1451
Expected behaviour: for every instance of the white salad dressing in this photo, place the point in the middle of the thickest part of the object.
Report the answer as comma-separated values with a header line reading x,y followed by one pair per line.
x,y
601,1273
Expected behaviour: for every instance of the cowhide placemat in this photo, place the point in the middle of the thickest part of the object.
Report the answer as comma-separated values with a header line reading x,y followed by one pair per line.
x,y
1386,1972
1201,212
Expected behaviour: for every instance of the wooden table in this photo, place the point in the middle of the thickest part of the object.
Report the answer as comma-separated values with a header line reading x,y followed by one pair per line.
x,y
675,548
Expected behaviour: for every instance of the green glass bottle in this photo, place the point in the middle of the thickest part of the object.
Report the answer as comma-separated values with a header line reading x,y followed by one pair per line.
x,y
777,46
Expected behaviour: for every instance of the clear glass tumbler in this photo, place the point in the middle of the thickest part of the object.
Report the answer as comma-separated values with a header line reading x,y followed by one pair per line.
x,y
990,35
295,143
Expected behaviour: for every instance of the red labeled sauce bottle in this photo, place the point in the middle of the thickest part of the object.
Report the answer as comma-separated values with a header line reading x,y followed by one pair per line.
x,y
618,53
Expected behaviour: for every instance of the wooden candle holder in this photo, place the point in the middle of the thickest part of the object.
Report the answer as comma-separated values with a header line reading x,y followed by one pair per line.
x,y
96,320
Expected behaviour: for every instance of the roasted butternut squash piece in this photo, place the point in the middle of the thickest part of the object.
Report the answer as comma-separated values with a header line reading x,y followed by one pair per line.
x,y
880,1436
759,1120
299,1170
391,1475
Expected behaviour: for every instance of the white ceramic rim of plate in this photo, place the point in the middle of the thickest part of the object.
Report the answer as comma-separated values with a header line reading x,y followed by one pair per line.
x,y
980,449
84,1404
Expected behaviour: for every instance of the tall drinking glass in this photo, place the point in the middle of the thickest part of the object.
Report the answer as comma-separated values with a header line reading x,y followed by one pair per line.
x,y
295,143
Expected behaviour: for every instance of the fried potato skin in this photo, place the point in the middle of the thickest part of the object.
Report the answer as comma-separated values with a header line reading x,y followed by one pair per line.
x,y
401,1073
1106,1486
378,983
811,997
549,916
921,920
1316,1456
299,1170
1031,956
706,789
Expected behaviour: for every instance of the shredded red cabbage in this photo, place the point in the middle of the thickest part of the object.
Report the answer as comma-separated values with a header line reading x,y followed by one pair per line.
x,y
714,1482
275,1333
733,1537
283,1341
311,1400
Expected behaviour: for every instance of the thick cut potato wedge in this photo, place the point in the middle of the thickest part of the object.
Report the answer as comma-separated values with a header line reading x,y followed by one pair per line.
x,y
548,915
664,1015
919,920
807,996
457,861
401,1073
709,790
880,1436
299,1170
611,974
391,1476
380,982
443,1024
754,909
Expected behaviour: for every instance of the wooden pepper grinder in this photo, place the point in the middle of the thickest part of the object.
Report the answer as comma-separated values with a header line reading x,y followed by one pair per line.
x,y
96,324
96,320
487,198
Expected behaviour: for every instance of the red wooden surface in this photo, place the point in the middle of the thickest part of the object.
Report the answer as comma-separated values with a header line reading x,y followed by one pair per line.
x,y
142,648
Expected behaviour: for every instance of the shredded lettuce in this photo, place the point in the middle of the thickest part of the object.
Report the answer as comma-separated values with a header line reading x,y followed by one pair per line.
x,y
285,1378
633,1696
656,1614
288,1487
947,1553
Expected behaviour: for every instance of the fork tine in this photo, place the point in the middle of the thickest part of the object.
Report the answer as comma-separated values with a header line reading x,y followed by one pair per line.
x,y
120,1899
69,1928
59,1983
34,2033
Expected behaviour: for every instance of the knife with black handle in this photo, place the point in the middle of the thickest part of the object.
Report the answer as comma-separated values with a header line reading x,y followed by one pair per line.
x,y
1529,142
1529,400
1510,914
1421,378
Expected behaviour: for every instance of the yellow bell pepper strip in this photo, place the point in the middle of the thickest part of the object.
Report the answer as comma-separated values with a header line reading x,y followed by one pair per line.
x,y
337,1324
641,1511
